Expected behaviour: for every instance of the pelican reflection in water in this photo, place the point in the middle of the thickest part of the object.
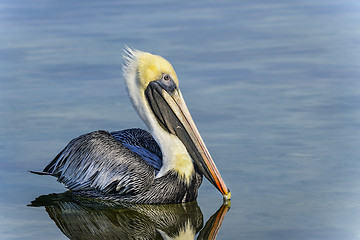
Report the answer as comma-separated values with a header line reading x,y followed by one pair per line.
x,y
79,218
133,165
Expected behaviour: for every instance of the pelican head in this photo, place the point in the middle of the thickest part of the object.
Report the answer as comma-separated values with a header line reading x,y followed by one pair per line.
x,y
154,91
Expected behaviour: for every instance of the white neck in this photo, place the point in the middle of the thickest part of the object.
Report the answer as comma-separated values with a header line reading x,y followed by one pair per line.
x,y
175,155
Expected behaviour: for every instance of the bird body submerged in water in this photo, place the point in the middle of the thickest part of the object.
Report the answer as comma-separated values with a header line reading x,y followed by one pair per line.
x,y
133,165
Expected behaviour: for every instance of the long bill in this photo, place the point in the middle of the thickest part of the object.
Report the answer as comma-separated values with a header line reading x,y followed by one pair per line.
x,y
173,115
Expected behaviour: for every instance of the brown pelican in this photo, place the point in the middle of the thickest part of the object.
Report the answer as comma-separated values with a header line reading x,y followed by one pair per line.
x,y
133,165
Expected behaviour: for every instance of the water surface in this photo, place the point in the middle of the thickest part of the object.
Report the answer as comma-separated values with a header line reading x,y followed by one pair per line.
x,y
273,88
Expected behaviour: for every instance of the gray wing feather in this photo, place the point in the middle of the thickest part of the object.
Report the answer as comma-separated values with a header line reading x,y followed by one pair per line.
x,y
98,161
142,143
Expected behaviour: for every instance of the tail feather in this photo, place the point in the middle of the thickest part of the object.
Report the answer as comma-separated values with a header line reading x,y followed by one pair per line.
x,y
40,173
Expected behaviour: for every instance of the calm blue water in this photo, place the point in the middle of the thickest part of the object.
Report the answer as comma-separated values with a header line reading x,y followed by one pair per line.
x,y
273,88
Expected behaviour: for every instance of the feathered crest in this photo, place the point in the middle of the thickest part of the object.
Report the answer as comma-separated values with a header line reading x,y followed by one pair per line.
x,y
129,56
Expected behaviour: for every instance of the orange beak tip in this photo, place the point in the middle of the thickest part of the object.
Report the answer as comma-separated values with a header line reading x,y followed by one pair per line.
x,y
227,196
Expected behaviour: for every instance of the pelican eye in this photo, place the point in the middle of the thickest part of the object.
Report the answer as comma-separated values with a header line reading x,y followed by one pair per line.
x,y
166,77
167,83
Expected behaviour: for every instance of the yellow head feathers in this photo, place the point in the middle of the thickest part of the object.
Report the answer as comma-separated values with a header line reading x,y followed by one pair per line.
x,y
149,67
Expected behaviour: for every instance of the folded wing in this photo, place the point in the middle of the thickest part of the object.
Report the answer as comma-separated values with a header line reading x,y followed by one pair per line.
x,y
121,163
